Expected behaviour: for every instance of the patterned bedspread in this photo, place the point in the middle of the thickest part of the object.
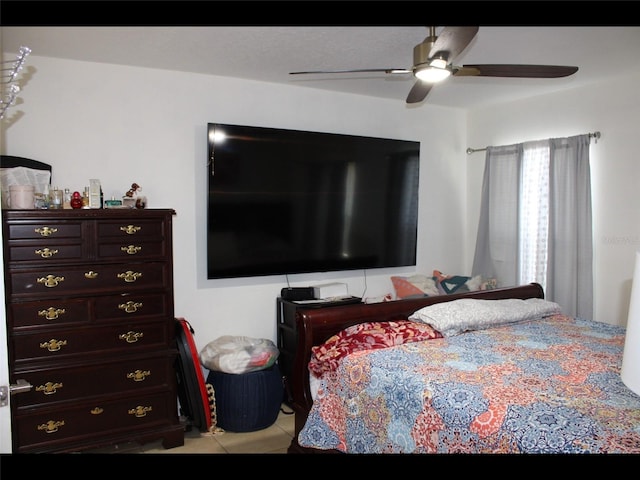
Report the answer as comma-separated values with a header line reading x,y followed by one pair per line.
x,y
542,386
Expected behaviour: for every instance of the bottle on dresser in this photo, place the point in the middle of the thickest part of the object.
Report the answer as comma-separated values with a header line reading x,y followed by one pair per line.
x,y
85,198
56,198
66,199
95,193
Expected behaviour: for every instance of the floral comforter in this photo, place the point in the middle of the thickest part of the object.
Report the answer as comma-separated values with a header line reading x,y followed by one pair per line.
x,y
550,385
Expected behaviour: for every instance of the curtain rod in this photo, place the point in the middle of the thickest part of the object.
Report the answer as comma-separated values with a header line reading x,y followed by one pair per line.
x,y
595,135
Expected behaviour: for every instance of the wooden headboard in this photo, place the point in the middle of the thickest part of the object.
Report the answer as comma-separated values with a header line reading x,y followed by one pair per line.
x,y
315,325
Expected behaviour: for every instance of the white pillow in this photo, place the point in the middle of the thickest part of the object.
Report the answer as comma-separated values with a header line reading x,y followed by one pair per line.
x,y
458,316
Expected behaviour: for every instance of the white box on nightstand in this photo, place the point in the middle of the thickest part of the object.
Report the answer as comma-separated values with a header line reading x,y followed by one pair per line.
x,y
330,290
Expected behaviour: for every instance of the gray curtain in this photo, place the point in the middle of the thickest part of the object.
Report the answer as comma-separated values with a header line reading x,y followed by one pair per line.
x,y
569,270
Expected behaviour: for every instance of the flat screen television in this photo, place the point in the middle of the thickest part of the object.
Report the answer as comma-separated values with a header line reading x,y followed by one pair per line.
x,y
288,201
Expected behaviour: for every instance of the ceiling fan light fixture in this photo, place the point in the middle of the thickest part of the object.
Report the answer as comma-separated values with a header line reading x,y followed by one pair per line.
x,y
435,72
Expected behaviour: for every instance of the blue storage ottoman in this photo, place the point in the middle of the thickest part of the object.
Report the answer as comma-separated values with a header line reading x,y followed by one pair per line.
x,y
246,402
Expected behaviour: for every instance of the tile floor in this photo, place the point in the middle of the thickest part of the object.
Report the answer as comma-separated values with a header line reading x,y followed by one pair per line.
x,y
274,439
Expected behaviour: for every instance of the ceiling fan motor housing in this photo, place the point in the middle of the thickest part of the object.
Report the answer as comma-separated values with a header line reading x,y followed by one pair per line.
x,y
421,53
424,53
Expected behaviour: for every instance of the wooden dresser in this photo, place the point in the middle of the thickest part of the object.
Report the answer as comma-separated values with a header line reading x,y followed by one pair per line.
x,y
91,328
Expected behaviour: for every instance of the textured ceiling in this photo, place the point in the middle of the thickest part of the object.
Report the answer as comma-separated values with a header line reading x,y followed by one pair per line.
x,y
269,53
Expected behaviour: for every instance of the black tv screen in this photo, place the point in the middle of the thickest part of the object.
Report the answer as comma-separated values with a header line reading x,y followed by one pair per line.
x,y
288,201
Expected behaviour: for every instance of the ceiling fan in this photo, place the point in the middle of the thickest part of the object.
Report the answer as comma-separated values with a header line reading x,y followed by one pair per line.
x,y
432,63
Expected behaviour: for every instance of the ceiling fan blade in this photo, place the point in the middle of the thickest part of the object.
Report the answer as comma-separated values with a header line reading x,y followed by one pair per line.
x,y
453,40
514,70
363,70
419,92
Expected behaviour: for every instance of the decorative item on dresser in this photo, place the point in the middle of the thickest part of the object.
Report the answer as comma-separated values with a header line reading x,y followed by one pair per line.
x,y
91,328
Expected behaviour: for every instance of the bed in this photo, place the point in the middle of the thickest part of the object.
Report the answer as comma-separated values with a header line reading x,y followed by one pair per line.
x,y
537,383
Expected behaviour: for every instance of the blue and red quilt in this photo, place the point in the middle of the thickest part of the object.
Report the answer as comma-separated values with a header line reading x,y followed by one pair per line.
x,y
549,385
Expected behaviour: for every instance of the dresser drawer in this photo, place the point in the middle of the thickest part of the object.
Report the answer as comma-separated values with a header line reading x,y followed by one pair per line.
x,y
57,313
90,279
43,253
130,229
44,230
50,313
51,429
132,250
64,344
140,374
133,306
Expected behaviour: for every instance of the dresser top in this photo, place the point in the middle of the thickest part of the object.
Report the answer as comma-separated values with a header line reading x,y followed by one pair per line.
x,y
90,213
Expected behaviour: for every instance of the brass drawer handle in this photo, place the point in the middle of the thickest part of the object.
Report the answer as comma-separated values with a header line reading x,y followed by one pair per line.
x,y
91,275
46,252
131,337
51,313
130,276
130,307
131,249
97,411
53,345
46,231
49,388
51,426
139,375
130,229
50,281
140,411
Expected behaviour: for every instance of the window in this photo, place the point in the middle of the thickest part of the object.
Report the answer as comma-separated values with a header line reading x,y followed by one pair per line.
x,y
534,215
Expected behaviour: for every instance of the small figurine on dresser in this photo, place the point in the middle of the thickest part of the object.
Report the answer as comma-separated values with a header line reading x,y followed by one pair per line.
x,y
76,200
133,199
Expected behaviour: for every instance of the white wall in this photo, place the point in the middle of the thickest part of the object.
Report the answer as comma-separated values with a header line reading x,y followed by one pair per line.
x,y
612,108
123,125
